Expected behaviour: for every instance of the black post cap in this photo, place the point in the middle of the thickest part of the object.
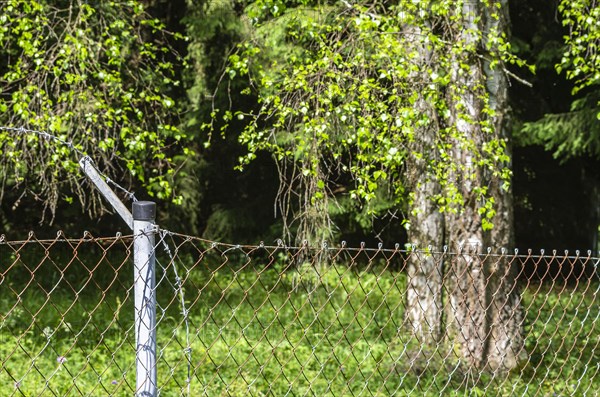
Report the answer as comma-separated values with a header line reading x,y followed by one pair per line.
x,y
144,211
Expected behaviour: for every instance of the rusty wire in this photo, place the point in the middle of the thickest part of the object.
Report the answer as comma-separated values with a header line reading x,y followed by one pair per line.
x,y
273,320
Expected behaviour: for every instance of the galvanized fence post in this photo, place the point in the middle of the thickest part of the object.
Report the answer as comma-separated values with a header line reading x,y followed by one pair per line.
x,y
144,214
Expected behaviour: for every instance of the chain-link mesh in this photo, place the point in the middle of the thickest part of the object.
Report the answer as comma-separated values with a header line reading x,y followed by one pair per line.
x,y
274,320
66,317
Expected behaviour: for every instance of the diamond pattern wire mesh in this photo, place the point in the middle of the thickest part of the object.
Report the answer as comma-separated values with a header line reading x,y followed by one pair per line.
x,y
275,321
66,317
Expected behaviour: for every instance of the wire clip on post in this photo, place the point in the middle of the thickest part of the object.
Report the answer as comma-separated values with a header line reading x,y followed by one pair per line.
x,y
144,214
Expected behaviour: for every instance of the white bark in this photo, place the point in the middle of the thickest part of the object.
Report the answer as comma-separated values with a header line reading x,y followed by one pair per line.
x,y
424,295
485,303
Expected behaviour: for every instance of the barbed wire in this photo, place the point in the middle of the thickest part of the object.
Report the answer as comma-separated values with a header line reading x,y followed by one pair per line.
x,y
406,248
45,135
80,154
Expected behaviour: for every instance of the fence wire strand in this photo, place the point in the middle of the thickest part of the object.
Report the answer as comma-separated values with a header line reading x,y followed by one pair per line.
x,y
78,153
274,320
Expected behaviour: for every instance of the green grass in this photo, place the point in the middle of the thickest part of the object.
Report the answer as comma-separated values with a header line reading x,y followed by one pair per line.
x,y
271,331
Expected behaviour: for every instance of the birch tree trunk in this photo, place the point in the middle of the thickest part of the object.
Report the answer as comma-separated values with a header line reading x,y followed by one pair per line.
x,y
484,311
425,272
506,343
424,293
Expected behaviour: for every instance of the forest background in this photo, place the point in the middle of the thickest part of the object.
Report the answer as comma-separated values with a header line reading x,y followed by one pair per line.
x,y
158,93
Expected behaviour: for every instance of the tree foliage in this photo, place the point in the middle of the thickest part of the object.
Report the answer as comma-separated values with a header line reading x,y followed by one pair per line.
x,y
338,86
581,59
103,76
568,134
576,132
97,75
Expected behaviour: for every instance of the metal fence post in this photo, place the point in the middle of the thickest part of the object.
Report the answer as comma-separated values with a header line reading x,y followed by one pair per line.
x,y
144,214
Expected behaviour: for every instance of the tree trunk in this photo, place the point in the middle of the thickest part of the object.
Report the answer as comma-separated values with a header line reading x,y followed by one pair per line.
x,y
485,312
426,222
506,344
424,294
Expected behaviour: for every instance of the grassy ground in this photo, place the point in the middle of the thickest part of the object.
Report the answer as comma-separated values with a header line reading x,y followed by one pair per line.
x,y
266,331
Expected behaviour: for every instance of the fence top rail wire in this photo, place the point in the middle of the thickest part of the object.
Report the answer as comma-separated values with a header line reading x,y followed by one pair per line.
x,y
62,238
445,250
588,255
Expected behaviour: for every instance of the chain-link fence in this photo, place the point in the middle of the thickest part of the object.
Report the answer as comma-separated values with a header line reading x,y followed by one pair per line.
x,y
274,320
